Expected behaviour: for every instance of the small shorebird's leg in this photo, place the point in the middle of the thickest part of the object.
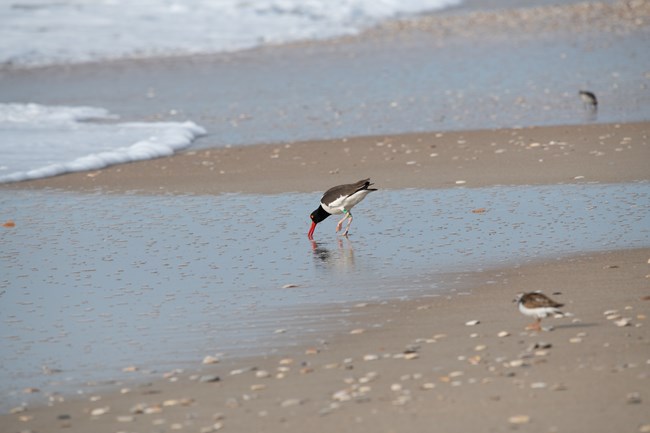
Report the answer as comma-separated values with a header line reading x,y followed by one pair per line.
x,y
347,228
340,223
536,326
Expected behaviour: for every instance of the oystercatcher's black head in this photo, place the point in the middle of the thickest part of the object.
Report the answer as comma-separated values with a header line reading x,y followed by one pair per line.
x,y
316,216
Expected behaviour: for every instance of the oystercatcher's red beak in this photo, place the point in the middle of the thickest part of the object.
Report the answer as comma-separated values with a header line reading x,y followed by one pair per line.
x,y
310,235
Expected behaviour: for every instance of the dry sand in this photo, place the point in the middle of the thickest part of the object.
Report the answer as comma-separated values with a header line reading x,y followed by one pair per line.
x,y
424,369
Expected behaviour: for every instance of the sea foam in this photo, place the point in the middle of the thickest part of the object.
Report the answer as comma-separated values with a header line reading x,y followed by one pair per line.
x,y
68,31
40,141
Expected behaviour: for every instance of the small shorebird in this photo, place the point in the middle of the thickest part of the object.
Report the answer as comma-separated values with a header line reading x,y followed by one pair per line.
x,y
536,305
589,99
340,200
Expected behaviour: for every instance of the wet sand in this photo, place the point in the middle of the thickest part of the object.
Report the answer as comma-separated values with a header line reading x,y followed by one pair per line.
x,y
606,153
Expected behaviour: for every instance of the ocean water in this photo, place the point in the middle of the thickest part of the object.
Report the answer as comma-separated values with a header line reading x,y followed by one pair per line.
x,y
40,141
93,283
35,32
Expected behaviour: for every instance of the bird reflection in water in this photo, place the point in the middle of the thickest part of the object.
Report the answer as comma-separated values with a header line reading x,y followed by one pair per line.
x,y
341,259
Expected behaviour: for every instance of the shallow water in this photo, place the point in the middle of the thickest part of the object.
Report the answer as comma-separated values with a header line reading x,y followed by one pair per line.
x,y
90,284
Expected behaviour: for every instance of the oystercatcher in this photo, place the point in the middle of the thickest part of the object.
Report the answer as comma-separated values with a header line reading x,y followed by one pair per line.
x,y
537,305
340,200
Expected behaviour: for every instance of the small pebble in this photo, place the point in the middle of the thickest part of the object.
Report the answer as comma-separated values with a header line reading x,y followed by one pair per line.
x,y
633,398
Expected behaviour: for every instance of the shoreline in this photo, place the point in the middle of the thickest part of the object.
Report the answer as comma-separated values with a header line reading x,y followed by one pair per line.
x,y
606,153
398,365
422,364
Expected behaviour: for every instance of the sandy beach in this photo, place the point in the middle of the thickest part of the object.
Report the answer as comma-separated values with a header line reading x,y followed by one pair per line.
x,y
457,360
527,156
425,369
408,366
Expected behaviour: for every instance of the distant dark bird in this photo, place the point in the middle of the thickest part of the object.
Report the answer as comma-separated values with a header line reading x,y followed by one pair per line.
x,y
340,200
589,99
538,305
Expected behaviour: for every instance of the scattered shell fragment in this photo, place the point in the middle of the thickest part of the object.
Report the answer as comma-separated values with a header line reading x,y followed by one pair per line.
x,y
503,334
342,395
290,286
209,359
357,331
519,419
428,386
152,410
291,402
472,323
208,378
130,369
370,357
125,418
516,363
100,411
9,224
622,322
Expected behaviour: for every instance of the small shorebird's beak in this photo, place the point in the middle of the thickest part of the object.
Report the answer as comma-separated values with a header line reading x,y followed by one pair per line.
x,y
310,235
